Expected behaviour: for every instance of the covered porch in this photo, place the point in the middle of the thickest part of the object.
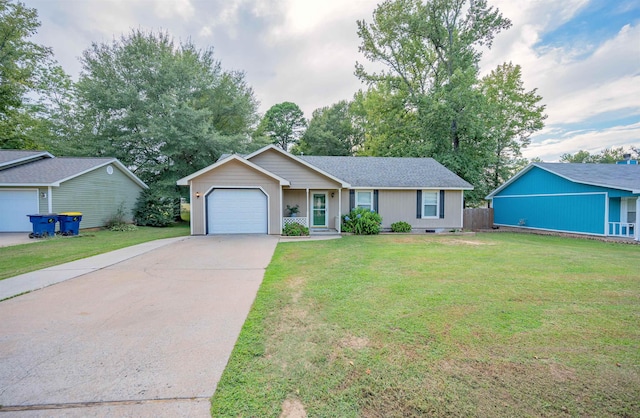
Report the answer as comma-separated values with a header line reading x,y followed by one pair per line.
x,y
318,210
623,221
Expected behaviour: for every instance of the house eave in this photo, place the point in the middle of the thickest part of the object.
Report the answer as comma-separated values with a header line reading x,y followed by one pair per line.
x,y
186,181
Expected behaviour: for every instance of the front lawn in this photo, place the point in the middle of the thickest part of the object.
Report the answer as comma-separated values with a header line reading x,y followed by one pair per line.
x,y
47,252
496,325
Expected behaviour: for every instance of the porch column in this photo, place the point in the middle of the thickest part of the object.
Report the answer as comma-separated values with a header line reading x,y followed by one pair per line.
x,y
49,200
340,211
308,218
637,227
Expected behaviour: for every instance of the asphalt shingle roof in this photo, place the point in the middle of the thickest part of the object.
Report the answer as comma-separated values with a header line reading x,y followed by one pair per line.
x,y
9,156
49,170
388,172
616,176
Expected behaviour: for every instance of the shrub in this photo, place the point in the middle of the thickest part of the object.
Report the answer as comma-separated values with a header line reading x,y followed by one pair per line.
x,y
400,226
156,208
118,221
362,222
295,230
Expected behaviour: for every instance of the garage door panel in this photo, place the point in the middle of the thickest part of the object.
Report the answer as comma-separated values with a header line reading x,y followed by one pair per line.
x,y
237,211
15,205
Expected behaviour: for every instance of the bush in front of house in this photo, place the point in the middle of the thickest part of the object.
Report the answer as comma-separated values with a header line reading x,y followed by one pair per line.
x,y
156,208
362,222
400,226
295,230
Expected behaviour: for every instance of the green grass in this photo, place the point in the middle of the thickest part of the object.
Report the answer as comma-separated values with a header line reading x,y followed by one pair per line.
x,y
496,325
49,252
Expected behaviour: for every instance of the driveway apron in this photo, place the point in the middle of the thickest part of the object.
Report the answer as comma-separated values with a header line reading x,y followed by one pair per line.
x,y
149,336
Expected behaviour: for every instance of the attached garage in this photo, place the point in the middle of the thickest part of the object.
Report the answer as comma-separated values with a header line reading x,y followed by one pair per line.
x,y
237,211
15,205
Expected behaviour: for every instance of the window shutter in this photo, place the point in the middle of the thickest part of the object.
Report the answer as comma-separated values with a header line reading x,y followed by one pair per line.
x,y
375,200
352,199
419,204
441,204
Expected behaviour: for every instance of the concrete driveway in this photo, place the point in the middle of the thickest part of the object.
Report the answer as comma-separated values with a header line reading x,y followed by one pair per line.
x,y
149,336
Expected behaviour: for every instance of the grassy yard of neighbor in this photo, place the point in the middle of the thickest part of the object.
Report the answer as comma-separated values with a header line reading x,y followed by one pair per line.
x,y
492,325
49,252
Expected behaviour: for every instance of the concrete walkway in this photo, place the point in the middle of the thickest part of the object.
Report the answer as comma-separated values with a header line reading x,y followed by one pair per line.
x,y
148,336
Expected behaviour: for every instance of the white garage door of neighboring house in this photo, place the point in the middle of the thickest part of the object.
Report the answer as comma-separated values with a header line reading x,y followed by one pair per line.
x,y
237,211
15,205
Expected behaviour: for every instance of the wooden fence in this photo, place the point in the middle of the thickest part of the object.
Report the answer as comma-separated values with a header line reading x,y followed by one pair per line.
x,y
475,219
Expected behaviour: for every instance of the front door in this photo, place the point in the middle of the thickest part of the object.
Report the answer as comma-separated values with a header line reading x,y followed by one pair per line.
x,y
319,209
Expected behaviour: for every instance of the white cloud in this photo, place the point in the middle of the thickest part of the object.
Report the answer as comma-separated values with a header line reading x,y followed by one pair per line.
x,y
169,9
590,140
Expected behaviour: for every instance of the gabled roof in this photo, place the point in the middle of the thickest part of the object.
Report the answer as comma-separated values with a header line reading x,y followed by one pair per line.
x,y
614,176
234,157
301,161
54,171
389,172
10,158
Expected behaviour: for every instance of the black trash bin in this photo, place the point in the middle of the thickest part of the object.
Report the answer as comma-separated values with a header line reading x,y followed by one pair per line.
x,y
69,222
43,225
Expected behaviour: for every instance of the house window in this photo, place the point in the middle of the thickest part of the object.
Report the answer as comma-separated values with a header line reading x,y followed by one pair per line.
x,y
430,204
364,199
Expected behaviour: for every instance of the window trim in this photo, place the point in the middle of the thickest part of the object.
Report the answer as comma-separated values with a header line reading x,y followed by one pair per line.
x,y
437,204
355,201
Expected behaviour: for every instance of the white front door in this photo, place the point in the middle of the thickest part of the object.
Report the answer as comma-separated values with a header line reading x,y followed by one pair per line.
x,y
319,205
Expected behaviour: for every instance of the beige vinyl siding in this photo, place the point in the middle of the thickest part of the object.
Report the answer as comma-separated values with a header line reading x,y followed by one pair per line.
x,y
400,205
292,198
96,194
300,176
233,174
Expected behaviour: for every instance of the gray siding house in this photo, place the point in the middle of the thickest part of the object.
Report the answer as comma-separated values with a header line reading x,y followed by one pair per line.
x,y
250,194
34,182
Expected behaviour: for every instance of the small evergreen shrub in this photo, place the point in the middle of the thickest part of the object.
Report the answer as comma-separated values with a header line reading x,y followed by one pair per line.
x,y
400,226
156,208
295,230
362,222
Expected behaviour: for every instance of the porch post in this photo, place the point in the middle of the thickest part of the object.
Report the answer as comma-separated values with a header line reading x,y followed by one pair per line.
x,y
637,227
340,210
308,218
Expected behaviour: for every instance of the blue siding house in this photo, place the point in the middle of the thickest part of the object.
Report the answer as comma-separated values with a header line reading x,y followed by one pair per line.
x,y
593,199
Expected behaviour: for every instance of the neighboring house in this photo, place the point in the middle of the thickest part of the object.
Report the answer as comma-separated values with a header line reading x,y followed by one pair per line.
x,y
250,194
593,199
34,182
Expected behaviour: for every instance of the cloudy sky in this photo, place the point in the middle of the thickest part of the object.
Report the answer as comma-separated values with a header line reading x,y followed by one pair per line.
x,y
583,56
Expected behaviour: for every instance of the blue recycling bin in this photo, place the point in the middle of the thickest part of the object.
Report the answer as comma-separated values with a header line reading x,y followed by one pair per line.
x,y
69,222
43,225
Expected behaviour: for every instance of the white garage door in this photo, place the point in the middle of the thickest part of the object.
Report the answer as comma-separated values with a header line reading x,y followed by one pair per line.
x,y
15,205
237,211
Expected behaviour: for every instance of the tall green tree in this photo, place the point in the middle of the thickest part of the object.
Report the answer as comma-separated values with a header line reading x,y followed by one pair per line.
x,y
430,52
512,115
331,131
606,156
283,124
26,68
164,109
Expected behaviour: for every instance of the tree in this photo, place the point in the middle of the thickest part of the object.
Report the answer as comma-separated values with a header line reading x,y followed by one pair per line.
x,y
430,54
331,131
606,156
164,110
25,68
283,124
512,115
